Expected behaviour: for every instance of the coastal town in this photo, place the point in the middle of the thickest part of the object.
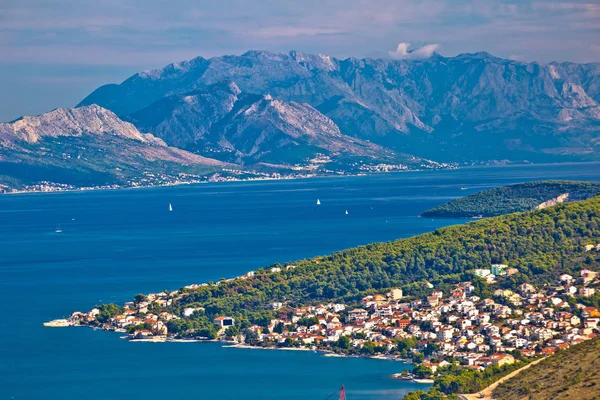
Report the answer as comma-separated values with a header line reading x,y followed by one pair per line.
x,y
319,166
445,327
150,179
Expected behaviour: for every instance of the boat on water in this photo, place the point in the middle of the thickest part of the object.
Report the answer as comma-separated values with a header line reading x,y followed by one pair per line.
x,y
318,202
346,212
58,229
170,207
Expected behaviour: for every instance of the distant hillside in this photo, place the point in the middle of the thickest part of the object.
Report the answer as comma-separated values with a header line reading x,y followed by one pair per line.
x,y
85,147
570,374
515,198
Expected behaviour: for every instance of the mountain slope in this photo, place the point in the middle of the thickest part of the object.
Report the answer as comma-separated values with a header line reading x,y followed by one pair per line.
x,y
182,120
225,123
88,146
472,107
275,131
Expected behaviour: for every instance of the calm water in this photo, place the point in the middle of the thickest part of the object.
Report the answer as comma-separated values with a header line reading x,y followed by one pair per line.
x,y
118,243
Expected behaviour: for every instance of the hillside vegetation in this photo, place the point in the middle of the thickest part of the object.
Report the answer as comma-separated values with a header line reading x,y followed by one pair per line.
x,y
570,374
513,198
542,244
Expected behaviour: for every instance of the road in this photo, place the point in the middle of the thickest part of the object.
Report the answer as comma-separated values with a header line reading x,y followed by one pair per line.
x,y
487,392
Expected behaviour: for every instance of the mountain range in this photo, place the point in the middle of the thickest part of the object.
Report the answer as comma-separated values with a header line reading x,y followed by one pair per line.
x,y
220,120
289,112
468,108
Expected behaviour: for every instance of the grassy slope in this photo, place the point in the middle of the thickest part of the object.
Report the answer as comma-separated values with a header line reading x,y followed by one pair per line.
x,y
513,198
570,374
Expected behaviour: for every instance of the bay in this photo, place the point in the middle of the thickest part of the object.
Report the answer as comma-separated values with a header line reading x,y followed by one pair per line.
x,y
115,244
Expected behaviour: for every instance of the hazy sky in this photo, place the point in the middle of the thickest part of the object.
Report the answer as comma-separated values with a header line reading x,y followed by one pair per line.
x,y
55,52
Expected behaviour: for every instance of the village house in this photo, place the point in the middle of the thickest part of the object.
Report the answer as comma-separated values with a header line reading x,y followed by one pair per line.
x,y
395,294
498,269
357,314
586,292
224,322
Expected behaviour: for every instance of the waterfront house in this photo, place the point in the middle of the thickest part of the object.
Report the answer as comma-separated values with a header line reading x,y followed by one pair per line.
x,y
141,334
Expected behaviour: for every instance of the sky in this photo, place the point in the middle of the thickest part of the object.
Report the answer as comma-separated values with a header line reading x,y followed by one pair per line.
x,y
55,52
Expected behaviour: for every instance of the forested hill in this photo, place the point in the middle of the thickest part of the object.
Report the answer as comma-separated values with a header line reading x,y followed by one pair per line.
x,y
514,198
570,374
541,244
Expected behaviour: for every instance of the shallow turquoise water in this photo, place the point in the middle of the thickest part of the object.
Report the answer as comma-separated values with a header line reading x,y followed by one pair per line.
x,y
118,243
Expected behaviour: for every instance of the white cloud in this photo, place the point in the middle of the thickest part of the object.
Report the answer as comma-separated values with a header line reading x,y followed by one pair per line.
x,y
404,52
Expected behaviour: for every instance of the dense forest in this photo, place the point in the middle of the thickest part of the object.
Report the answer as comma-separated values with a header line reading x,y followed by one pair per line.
x,y
513,198
541,244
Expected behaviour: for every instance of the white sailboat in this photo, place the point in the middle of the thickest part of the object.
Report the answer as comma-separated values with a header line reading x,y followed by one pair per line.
x,y
346,212
318,202
170,207
58,229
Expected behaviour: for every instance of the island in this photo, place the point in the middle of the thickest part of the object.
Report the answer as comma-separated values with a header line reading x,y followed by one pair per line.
x,y
514,198
466,304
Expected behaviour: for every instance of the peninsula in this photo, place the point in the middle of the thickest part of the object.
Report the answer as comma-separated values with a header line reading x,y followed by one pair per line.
x,y
466,304
514,198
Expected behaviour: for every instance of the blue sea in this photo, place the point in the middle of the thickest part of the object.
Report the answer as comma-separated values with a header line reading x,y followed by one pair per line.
x,y
115,244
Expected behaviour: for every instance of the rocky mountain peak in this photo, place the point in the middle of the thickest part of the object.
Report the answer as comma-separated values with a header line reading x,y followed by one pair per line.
x,y
172,70
88,120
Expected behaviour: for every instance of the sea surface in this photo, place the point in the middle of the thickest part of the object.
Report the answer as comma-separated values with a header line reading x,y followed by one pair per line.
x,y
115,244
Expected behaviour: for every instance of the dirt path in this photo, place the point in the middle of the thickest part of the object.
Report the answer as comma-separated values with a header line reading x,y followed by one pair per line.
x,y
487,392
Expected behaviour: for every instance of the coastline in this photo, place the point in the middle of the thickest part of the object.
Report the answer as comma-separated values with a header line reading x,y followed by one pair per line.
x,y
164,185
232,180
65,323
247,346
263,179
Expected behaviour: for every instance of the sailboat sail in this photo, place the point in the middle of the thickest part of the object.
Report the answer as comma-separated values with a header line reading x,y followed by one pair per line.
x,y
170,207
340,393
318,202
